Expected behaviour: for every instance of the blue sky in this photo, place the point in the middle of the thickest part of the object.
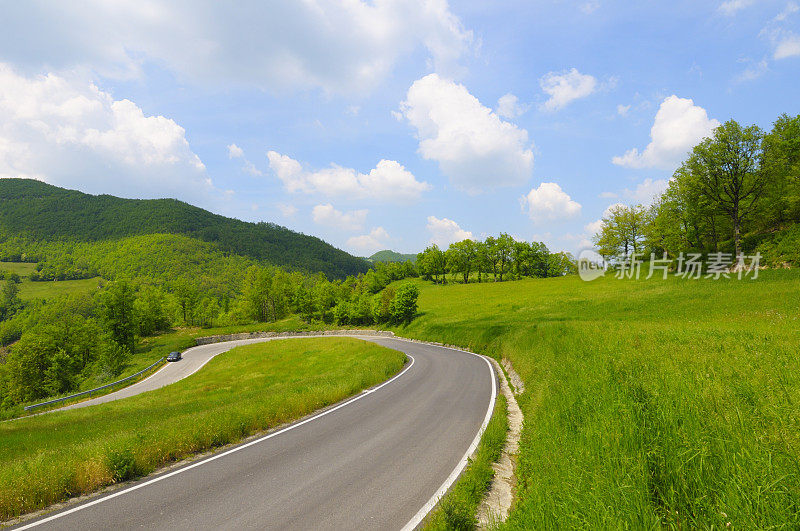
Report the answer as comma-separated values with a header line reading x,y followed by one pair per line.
x,y
387,124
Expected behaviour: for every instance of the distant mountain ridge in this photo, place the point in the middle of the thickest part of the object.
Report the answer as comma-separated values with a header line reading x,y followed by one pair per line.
x,y
48,212
391,256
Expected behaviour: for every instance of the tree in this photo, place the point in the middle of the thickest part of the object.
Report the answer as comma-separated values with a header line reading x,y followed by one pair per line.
x,y
622,230
404,304
461,257
561,264
432,263
504,249
9,302
118,314
781,166
727,170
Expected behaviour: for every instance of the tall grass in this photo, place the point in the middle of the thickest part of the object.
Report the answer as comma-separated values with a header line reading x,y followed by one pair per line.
x,y
649,403
458,508
249,389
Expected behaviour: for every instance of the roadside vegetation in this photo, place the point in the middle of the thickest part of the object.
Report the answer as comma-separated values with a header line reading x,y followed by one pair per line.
x,y
648,403
458,508
247,390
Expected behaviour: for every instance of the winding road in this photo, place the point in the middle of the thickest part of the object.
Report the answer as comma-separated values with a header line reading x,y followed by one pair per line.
x,y
377,461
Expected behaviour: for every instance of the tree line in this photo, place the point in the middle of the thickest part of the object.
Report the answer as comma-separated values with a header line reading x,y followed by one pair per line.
x,y
737,191
502,258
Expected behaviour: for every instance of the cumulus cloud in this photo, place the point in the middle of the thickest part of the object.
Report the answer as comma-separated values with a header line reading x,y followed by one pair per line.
x,y
330,217
367,244
679,125
565,87
338,46
508,106
68,132
388,180
549,202
446,231
473,146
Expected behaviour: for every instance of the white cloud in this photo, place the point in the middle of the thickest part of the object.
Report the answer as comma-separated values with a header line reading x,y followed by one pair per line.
x,y
646,191
731,7
473,146
679,125
594,227
508,106
389,180
286,210
339,46
565,87
790,9
377,239
608,195
789,46
68,132
622,110
235,152
446,231
753,71
346,221
549,203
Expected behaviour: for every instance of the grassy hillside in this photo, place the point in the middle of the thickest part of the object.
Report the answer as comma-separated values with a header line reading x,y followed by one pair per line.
x,y
391,256
47,212
249,389
648,403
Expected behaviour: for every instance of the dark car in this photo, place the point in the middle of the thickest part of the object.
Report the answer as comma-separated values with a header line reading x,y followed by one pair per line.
x,y
174,356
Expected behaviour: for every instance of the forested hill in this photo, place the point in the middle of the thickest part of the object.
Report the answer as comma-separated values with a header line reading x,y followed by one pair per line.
x,y
43,211
391,256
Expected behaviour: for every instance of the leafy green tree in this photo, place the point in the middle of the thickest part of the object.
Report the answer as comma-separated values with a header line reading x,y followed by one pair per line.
x,y
561,264
461,257
382,309
404,304
118,313
432,263
150,310
504,250
10,302
726,167
781,166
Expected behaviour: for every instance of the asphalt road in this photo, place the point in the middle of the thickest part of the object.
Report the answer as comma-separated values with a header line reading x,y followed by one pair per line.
x,y
377,461
193,359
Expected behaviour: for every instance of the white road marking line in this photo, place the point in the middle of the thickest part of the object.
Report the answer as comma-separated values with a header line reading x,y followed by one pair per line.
x,y
415,521
212,458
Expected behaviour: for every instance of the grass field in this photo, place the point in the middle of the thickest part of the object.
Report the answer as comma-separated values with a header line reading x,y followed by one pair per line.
x,y
249,389
23,269
649,403
44,290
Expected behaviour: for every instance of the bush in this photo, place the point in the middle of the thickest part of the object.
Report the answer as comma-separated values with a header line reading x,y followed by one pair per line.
x,y
122,464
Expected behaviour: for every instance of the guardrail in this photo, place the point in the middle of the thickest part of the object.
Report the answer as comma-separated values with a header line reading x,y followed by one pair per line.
x,y
90,391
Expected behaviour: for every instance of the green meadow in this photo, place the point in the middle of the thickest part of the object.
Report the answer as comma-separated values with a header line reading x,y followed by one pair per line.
x,y
249,389
29,290
661,403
